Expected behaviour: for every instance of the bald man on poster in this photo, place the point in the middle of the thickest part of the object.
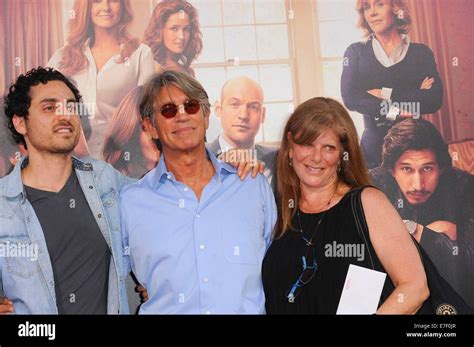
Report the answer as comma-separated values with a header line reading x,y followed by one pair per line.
x,y
241,112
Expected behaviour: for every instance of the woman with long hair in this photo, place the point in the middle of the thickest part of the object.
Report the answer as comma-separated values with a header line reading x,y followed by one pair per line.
x,y
322,180
174,36
104,60
127,147
386,77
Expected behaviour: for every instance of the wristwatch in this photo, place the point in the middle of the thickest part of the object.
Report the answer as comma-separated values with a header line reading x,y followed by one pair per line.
x,y
411,226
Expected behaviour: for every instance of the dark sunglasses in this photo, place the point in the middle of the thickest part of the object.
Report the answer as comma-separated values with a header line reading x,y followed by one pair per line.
x,y
170,110
305,277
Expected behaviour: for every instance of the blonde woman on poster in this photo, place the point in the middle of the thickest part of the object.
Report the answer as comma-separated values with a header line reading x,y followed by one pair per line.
x,y
387,78
105,61
174,36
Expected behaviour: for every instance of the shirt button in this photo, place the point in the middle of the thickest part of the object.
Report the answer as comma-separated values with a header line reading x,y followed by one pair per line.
x,y
205,279
202,247
91,187
99,215
168,177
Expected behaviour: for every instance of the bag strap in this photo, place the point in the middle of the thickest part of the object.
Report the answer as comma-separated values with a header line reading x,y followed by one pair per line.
x,y
361,223
362,227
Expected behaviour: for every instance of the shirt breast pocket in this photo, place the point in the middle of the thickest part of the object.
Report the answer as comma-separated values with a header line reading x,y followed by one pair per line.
x,y
242,247
109,198
20,256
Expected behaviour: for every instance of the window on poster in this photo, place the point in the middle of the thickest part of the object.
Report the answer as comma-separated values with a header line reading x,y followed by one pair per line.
x,y
336,29
247,37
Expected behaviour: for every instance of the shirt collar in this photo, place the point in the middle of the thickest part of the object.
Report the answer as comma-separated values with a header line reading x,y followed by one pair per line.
x,y
224,145
14,183
397,55
405,38
162,173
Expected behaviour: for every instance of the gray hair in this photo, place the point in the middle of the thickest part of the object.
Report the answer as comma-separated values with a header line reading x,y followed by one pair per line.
x,y
191,87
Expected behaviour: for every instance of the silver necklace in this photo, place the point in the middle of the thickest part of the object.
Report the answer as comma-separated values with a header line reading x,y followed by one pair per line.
x,y
310,241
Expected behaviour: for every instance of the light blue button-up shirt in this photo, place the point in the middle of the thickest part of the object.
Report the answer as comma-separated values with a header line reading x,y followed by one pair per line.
x,y
198,256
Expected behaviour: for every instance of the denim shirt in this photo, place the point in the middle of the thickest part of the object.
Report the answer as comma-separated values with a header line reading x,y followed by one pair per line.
x,y
26,277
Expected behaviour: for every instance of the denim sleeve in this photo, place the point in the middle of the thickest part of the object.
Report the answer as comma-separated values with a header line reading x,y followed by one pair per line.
x,y
124,231
1,282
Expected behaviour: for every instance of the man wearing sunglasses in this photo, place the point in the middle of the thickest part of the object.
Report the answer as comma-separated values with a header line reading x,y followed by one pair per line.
x,y
60,239
241,112
194,232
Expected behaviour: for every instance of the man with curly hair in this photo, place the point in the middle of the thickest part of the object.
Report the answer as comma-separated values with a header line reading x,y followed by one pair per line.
x,y
60,245
60,236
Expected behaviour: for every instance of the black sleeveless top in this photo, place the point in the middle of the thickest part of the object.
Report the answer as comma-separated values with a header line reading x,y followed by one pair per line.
x,y
282,264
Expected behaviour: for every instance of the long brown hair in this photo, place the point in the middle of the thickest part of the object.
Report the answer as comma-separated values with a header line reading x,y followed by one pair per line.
x,y
401,15
153,36
305,125
123,134
81,28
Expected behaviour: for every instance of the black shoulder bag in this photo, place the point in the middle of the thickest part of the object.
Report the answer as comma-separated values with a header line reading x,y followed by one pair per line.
x,y
443,298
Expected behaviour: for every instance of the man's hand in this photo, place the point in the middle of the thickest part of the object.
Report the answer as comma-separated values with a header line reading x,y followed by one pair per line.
x,y
444,227
6,306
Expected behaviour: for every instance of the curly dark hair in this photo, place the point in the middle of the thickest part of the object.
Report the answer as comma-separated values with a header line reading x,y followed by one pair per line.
x,y
414,134
18,100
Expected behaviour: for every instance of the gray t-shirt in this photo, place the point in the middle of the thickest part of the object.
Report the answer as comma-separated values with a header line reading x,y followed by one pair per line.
x,y
79,254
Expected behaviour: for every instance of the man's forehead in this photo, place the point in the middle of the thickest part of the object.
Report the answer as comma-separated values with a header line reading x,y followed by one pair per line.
x,y
243,90
51,90
171,94
419,157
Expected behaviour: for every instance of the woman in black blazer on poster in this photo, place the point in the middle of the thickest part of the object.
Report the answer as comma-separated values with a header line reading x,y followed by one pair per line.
x,y
387,77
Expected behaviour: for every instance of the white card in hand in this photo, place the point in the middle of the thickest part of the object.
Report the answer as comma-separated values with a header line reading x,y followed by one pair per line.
x,y
362,290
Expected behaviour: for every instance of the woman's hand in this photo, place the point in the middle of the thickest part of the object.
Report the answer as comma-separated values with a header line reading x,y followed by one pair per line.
x,y
143,293
376,92
244,160
427,83
244,168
